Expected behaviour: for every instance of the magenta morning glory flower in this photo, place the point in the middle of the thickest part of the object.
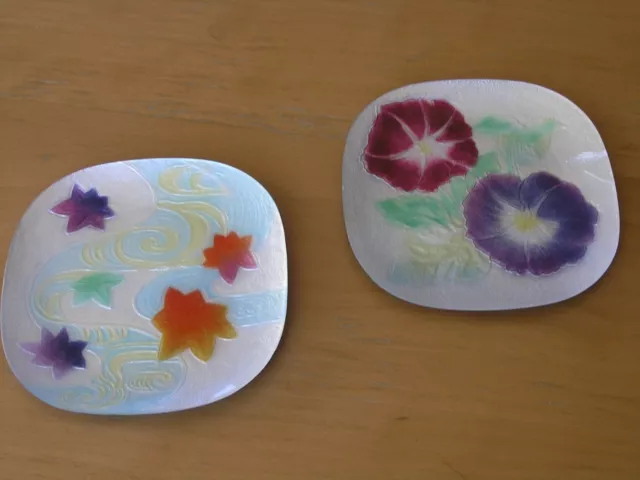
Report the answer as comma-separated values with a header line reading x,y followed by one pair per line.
x,y
419,144
534,225
57,351
84,209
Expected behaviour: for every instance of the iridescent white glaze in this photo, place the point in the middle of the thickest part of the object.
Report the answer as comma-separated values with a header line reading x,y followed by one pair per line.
x,y
166,213
420,235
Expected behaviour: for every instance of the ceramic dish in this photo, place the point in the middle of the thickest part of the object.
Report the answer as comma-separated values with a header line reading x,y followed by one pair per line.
x,y
145,286
479,195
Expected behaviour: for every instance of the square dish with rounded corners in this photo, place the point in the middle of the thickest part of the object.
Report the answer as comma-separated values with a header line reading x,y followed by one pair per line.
x,y
145,286
479,195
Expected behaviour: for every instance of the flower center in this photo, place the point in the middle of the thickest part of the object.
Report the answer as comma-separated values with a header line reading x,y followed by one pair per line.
x,y
424,147
525,221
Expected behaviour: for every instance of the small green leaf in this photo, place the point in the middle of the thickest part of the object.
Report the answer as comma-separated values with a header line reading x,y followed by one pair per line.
x,y
527,145
416,211
492,126
443,207
517,145
460,186
97,287
487,163
535,134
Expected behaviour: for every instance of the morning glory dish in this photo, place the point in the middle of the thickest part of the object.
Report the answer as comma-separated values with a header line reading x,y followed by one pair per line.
x,y
479,195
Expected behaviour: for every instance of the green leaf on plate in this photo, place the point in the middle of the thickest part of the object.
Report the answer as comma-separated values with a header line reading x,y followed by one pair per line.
x,y
460,186
415,211
517,145
527,145
493,126
443,207
487,163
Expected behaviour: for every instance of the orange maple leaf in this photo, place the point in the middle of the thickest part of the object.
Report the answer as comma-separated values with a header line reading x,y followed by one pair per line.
x,y
188,321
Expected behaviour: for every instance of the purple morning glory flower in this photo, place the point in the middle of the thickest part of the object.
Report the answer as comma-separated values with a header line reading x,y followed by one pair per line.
x,y
534,225
84,209
57,352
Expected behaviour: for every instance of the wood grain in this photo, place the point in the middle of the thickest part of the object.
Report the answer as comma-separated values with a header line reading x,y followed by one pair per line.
x,y
364,386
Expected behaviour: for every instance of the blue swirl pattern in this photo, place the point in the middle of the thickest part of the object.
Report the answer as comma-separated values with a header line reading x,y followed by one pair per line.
x,y
192,198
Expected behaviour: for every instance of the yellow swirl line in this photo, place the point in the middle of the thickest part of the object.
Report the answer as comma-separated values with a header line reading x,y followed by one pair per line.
x,y
194,213
199,208
171,243
118,392
109,392
50,307
458,250
104,334
95,255
168,181
148,381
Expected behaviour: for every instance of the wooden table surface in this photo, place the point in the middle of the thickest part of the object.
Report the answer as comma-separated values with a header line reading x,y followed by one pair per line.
x,y
363,385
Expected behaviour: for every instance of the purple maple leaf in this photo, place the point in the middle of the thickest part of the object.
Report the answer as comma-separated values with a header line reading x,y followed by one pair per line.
x,y
84,209
57,351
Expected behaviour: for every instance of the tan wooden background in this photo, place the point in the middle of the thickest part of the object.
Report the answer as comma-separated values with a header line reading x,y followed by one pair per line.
x,y
363,386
